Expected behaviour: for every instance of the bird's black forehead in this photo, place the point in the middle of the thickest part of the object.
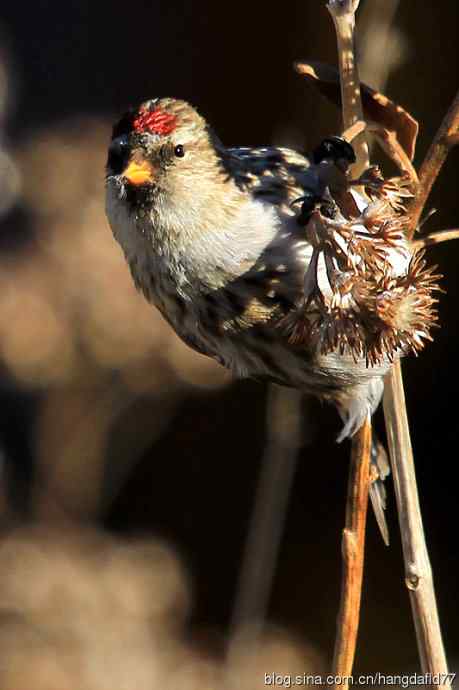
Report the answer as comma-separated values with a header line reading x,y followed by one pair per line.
x,y
124,124
147,142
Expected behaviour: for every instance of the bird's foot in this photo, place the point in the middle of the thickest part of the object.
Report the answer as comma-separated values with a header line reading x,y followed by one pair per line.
x,y
335,149
311,202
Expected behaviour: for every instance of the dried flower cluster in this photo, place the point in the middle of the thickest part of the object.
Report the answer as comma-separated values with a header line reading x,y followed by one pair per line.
x,y
366,293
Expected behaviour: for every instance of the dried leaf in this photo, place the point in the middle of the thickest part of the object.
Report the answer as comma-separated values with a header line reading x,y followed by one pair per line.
x,y
377,107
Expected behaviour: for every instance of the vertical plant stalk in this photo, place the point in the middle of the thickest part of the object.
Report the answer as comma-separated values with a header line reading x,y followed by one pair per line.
x,y
417,566
353,539
343,15
418,572
353,550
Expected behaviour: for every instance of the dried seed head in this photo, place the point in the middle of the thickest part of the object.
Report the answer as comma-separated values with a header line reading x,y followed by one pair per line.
x,y
365,293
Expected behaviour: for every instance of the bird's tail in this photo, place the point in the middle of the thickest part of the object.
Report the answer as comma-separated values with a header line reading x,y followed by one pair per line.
x,y
379,470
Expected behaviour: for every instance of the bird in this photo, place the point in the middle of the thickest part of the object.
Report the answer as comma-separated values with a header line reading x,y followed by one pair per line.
x,y
259,257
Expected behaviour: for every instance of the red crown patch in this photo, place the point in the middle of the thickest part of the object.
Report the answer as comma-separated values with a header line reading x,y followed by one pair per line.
x,y
156,121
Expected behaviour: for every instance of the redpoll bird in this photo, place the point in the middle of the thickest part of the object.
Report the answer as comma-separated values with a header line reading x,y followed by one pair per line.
x,y
321,294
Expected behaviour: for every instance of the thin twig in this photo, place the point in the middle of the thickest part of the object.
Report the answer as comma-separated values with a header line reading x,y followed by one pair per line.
x,y
444,140
390,144
353,549
418,573
435,238
354,130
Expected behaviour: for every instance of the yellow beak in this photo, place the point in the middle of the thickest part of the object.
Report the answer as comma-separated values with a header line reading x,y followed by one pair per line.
x,y
139,172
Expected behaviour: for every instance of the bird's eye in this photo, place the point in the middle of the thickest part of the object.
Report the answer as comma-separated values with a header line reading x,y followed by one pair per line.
x,y
179,151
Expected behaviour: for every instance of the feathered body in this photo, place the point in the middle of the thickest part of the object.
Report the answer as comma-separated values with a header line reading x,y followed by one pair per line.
x,y
212,240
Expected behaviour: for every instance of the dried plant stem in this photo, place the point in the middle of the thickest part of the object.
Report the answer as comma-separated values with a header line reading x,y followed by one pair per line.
x,y
354,130
353,542
436,238
353,549
419,577
417,567
445,139
343,15
418,573
389,143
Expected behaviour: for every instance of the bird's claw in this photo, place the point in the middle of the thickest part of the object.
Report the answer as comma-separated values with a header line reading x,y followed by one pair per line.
x,y
311,202
336,149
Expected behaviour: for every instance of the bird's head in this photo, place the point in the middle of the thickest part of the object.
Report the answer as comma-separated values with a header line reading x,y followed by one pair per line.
x,y
163,152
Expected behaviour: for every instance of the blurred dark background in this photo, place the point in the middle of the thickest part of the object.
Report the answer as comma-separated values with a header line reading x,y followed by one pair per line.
x,y
109,425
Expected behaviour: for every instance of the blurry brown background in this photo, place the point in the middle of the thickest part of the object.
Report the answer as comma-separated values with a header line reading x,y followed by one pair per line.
x,y
111,430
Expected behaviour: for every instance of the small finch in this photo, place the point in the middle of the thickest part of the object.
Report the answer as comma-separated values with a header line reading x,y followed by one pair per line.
x,y
279,267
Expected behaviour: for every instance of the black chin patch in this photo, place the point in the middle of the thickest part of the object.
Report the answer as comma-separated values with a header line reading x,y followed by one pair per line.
x,y
139,197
